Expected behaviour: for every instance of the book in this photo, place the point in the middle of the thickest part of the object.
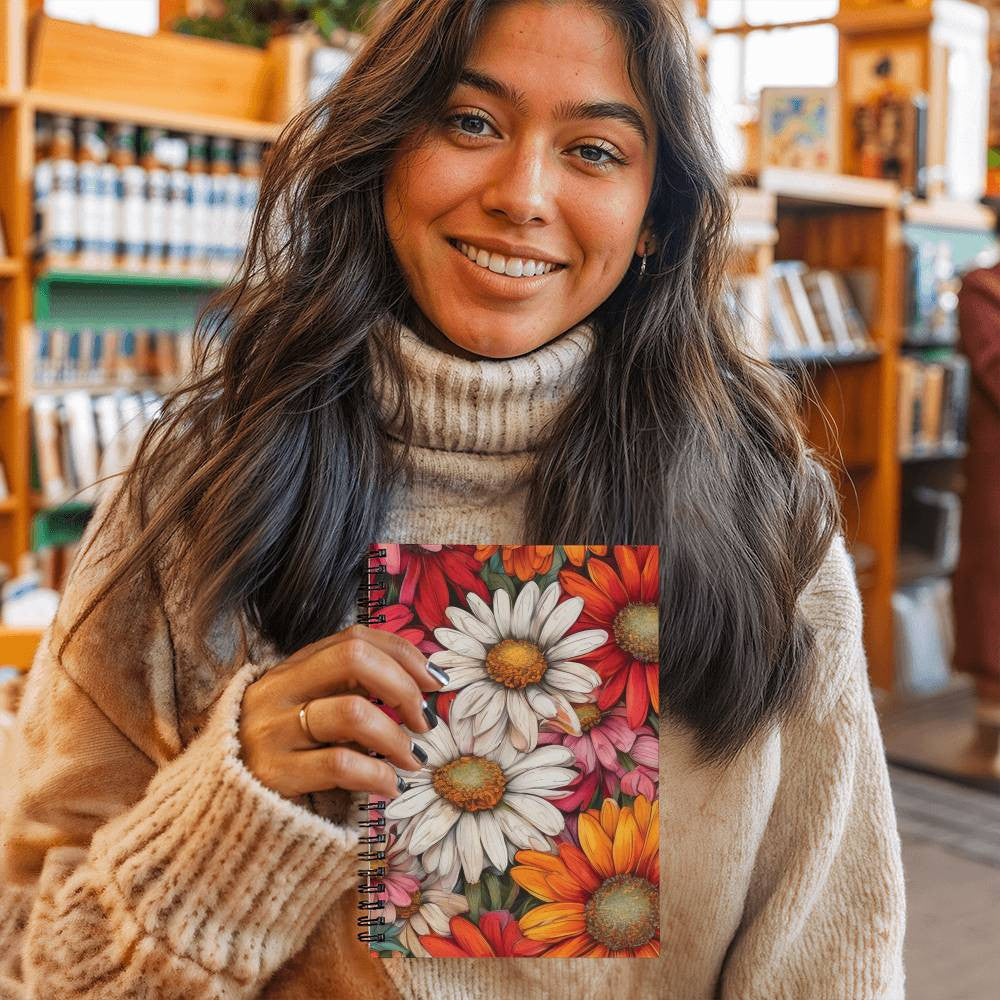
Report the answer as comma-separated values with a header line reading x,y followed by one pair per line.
x,y
791,273
533,829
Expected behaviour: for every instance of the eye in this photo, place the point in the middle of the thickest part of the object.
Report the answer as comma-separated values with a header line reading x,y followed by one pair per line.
x,y
454,123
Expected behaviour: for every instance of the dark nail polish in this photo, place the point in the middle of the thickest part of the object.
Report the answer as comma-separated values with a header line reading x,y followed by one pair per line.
x,y
437,673
429,715
418,751
402,784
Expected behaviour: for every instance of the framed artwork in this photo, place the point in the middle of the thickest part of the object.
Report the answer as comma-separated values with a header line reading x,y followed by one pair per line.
x,y
800,127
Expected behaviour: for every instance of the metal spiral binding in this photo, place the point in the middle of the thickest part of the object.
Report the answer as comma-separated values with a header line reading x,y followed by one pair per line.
x,y
370,884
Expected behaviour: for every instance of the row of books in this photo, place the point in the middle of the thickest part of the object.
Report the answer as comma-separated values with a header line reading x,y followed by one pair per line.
x,y
798,310
88,355
814,309
933,403
78,437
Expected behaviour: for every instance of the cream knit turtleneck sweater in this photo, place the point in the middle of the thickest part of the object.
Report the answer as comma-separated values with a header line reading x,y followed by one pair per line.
x,y
143,859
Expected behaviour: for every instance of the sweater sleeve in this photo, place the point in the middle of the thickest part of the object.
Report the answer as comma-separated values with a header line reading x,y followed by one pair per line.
x,y
186,878
825,911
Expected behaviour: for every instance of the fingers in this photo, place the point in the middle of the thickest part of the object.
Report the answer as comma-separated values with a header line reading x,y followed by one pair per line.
x,y
343,767
352,718
427,676
361,663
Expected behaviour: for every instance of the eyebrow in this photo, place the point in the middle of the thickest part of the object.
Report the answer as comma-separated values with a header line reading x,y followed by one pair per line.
x,y
565,110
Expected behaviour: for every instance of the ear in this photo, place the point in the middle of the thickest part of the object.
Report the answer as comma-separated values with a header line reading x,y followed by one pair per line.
x,y
647,242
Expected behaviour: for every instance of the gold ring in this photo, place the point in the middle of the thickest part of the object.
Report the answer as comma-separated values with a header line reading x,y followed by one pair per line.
x,y
304,723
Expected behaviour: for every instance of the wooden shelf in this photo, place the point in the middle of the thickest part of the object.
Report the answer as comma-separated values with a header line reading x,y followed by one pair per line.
x,y
138,279
820,188
946,214
939,453
39,502
19,645
80,107
884,17
823,358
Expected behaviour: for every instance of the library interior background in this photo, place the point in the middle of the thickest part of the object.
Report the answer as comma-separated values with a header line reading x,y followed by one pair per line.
x,y
862,139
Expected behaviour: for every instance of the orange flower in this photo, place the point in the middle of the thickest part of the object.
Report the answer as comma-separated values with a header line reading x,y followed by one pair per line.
x,y
623,602
528,561
601,899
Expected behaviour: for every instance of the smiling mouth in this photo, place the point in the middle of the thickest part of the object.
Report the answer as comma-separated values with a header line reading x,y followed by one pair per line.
x,y
503,274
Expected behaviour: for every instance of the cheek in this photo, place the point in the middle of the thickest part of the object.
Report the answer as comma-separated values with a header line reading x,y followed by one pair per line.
x,y
425,185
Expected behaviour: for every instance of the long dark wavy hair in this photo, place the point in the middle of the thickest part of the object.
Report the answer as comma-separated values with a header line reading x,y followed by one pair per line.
x,y
276,461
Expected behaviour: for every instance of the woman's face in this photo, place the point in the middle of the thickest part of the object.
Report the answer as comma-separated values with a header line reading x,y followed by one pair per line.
x,y
518,176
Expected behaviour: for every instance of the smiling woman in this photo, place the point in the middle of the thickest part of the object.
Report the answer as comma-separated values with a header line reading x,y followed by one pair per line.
x,y
481,303
544,153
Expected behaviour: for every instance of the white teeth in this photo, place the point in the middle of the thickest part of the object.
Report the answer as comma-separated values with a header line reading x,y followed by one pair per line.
x,y
515,267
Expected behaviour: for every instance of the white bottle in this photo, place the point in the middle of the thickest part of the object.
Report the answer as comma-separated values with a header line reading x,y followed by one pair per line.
x,y
249,191
62,235
220,170
41,187
91,154
131,228
178,206
199,217
157,180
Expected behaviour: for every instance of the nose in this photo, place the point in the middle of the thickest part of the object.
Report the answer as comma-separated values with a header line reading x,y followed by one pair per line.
x,y
523,184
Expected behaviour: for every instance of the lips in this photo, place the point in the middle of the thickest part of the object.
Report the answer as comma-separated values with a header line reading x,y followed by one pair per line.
x,y
454,244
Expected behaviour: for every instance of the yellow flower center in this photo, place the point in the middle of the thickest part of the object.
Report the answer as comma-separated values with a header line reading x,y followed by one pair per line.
x,y
588,714
516,663
624,912
470,783
637,631
405,912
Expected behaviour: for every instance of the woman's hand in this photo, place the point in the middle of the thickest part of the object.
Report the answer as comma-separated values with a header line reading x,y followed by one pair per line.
x,y
337,674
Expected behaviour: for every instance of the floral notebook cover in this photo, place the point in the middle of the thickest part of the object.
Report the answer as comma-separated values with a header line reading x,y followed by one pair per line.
x,y
533,830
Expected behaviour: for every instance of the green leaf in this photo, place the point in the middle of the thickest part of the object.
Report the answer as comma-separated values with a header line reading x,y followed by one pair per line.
x,y
510,896
474,894
499,581
492,884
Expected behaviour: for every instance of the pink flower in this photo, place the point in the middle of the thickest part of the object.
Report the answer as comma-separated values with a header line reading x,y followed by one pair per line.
x,y
401,880
602,734
644,778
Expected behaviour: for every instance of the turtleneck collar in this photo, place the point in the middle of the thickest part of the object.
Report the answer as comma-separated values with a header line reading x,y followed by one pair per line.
x,y
486,406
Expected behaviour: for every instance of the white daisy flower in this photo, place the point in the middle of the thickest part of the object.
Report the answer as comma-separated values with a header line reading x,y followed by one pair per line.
x,y
466,810
429,912
515,667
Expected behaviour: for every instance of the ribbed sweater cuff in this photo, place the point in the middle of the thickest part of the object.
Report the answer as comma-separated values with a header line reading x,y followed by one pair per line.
x,y
229,873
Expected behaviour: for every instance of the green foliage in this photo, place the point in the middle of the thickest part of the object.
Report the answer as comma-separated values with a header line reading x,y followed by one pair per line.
x,y
474,894
494,576
255,22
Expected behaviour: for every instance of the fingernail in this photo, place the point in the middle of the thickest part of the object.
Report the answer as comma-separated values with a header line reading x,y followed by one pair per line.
x,y
418,751
439,675
402,784
432,719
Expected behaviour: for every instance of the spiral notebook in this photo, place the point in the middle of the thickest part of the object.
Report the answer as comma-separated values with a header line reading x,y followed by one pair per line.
x,y
533,830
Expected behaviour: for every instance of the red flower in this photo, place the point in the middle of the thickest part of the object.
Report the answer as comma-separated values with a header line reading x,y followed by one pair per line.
x,y
497,936
624,604
426,571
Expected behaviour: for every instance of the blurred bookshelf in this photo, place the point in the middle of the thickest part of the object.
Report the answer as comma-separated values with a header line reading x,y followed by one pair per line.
x,y
233,97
